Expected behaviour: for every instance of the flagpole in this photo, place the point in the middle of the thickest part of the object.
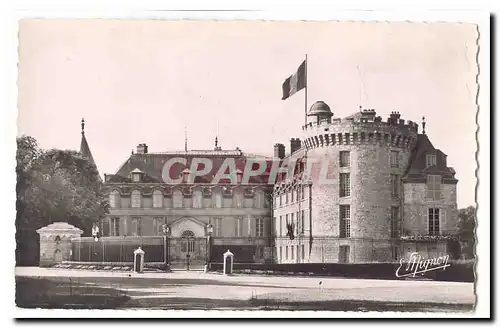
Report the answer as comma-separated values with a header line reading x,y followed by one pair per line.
x,y
305,109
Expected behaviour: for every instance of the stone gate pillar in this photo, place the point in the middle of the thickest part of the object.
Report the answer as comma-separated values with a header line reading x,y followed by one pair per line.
x,y
55,242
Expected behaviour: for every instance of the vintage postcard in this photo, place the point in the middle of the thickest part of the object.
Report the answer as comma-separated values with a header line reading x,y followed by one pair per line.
x,y
226,165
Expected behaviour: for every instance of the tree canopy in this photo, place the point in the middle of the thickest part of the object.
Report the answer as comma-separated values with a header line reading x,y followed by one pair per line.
x,y
466,224
54,185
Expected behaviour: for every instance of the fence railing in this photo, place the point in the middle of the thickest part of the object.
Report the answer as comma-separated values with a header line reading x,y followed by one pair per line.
x,y
245,249
118,249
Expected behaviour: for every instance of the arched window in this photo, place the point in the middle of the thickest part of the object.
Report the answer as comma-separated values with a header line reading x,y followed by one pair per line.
x,y
187,244
177,198
114,199
197,199
136,198
218,199
157,198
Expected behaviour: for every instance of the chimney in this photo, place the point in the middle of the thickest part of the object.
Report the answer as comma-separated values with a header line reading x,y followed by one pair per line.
x,y
368,115
394,118
295,145
279,151
142,149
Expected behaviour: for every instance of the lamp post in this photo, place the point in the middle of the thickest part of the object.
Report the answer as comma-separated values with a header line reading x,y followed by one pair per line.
x,y
95,232
166,253
210,229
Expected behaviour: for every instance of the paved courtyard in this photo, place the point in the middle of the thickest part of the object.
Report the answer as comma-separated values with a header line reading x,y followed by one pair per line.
x,y
195,289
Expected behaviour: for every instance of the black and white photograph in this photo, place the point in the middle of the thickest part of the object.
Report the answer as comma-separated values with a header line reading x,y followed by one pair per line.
x,y
258,165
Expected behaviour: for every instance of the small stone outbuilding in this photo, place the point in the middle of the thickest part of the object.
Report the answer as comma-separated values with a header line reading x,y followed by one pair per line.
x,y
55,242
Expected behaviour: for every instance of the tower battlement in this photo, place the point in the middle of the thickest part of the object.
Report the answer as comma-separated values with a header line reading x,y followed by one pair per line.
x,y
364,127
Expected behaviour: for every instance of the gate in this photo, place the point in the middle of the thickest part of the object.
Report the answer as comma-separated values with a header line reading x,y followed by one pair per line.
x,y
187,252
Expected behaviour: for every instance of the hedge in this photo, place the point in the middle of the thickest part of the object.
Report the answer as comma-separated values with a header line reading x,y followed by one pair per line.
x,y
462,271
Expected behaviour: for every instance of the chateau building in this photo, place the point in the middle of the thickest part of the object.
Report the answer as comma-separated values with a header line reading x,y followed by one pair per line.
x,y
236,216
388,193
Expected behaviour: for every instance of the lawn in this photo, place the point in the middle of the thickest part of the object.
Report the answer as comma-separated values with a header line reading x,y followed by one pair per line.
x,y
189,291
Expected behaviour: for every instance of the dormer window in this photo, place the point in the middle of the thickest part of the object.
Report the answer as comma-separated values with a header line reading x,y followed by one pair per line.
x,y
431,160
136,175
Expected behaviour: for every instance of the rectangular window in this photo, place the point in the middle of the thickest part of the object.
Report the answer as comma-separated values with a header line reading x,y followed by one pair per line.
x,y
281,199
303,252
345,184
292,249
345,221
286,220
286,252
292,221
345,159
302,222
297,195
238,227
259,227
394,158
281,253
395,185
286,197
293,196
217,226
281,225
115,226
394,222
434,187
430,160
136,225
302,193
433,219
157,225
299,229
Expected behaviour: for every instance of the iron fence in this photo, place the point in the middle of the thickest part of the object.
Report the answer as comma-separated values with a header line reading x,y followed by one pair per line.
x,y
118,249
245,249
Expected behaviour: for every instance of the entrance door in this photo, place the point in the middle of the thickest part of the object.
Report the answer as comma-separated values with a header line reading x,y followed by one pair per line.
x,y
57,256
187,248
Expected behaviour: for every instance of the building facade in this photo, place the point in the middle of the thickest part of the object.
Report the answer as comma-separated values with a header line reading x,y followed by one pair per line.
x,y
236,216
389,192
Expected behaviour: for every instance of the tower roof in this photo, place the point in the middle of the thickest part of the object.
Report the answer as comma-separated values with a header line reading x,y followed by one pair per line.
x,y
84,147
320,108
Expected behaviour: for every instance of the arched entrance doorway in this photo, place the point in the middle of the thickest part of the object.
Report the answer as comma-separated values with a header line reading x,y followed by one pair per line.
x,y
187,242
57,256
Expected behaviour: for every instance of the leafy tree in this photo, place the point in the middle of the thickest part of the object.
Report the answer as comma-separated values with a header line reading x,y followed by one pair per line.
x,y
26,238
466,225
54,186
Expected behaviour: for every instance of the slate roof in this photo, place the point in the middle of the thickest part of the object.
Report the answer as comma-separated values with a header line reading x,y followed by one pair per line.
x,y
151,164
87,154
85,150
417,170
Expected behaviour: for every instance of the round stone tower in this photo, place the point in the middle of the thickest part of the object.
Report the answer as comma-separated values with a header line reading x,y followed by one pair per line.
x,y
355,211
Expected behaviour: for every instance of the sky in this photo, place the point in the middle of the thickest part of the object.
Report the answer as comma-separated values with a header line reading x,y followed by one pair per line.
x,y
149,81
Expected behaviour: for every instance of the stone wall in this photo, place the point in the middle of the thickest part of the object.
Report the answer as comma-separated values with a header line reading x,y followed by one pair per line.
x,y
416,208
